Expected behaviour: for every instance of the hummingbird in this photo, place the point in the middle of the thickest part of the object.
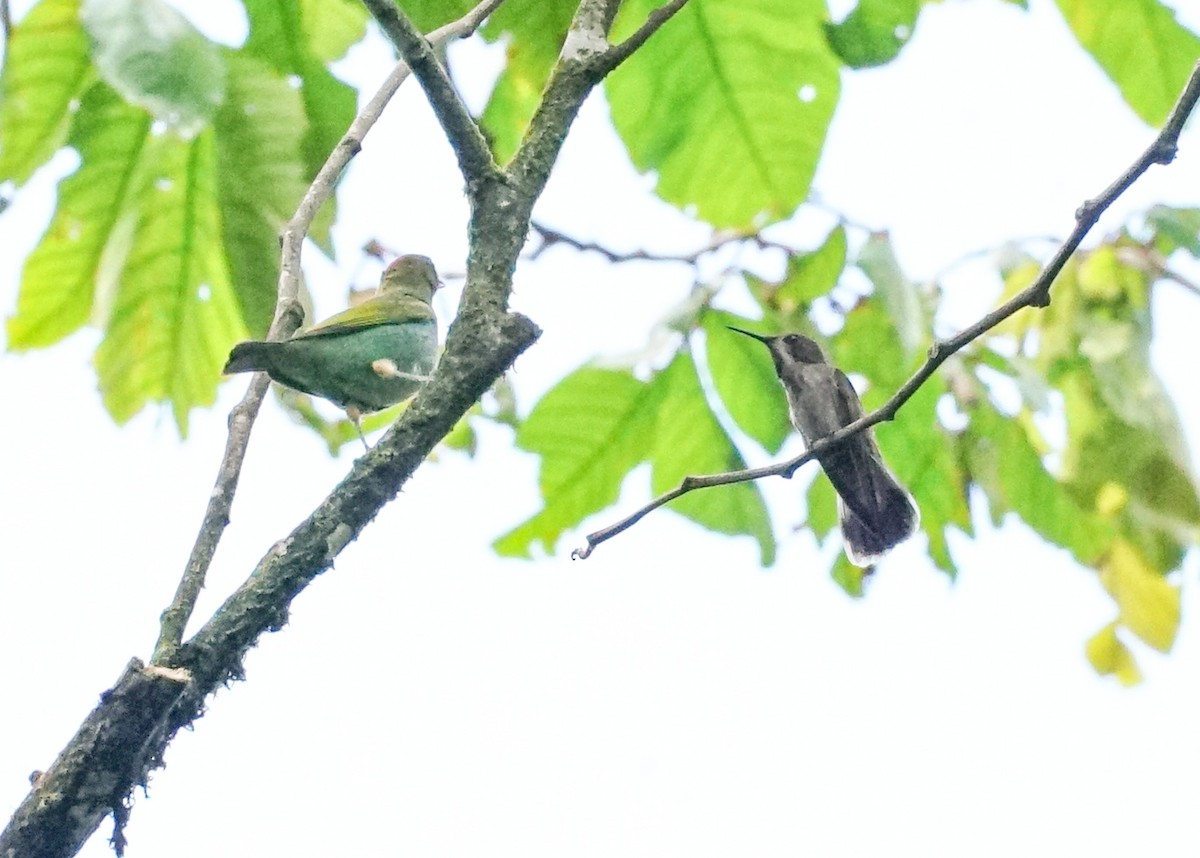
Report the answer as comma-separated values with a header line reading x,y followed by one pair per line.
x,y
365,358
875,511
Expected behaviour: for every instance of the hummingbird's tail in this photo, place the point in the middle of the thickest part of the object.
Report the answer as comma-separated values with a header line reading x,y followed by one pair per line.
x,y
879,519
252,356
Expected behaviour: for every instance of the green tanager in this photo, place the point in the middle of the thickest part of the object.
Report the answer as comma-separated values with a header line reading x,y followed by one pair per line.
x,y
365,358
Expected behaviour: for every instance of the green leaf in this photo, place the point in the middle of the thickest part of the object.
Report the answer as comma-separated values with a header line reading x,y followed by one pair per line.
x,y
922,454
281,35
330,106
1122,428
590,430
154,58
1149,77
821,503
1175,229
745,380
462,437
260,180
848,576
729,103
874,32
46,67
868,344
689,440
1006,464
1104,277
1110,657
512,104
88,235
1149,605
535,30
813,275
899,295
1018,274
174,317
1104,453
332,27
338,431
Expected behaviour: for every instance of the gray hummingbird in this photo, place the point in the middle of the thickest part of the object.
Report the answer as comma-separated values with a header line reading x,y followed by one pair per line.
x,y
875,511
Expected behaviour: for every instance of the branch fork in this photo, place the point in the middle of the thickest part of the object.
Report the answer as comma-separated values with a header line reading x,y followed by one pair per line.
x,y
125,736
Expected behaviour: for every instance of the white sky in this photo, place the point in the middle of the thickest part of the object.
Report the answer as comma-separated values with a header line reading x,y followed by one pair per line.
x,y
668,696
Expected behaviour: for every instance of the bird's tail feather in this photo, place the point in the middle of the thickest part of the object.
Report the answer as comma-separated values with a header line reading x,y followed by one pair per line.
x,y
871,531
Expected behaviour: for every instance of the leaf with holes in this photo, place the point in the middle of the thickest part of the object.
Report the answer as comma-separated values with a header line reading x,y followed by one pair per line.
x,y
174,316
1150,77
729,104
46,67
260,180
83,248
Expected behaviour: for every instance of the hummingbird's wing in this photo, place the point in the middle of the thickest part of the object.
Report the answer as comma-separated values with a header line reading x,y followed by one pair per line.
x,y
380,310
849,405
855,467
822,401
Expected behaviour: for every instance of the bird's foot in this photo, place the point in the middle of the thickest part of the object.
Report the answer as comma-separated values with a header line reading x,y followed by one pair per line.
x,y
386,368
355,415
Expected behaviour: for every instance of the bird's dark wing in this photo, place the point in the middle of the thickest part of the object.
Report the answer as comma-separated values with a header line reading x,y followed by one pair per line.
x,y
855,467
849,405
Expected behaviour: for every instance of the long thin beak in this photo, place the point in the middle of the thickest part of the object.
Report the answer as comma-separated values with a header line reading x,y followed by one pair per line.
x,y
759,337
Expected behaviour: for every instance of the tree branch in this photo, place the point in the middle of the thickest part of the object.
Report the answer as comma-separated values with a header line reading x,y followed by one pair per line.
x,y
126,735
213,656
483,341
122,741
288,316
474,156
1161,151
93,776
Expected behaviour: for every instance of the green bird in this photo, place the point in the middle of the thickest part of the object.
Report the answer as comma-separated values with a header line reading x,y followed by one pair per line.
x,y
365,358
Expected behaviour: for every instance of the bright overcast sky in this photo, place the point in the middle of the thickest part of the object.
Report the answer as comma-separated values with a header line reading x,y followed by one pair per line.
x,y
667,696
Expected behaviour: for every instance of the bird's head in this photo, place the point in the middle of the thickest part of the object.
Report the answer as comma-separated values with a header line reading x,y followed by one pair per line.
x,y
788,348
410,275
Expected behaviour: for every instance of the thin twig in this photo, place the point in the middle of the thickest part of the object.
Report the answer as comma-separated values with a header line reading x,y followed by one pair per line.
x,y
548,236
991,252
816,201
470,146
1037,294
1149,260
620,52
287,318
1179,280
